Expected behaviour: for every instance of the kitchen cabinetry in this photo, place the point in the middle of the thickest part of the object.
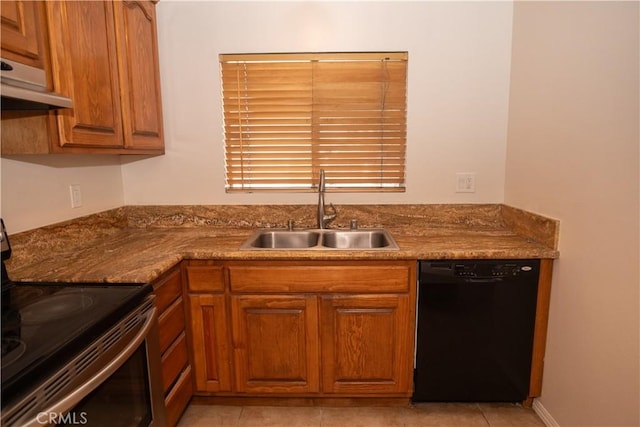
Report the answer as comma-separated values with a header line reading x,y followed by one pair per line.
x,y
22,32
307,329
176,368
367,344
104,56
208,326
275,343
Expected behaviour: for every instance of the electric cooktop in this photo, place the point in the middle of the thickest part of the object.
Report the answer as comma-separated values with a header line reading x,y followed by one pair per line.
x,y
44,325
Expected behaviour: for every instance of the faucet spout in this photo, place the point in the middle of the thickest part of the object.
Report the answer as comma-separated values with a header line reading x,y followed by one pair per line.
x,y
323,217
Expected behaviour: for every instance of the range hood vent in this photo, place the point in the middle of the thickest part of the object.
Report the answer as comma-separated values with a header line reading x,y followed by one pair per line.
x,y
24,88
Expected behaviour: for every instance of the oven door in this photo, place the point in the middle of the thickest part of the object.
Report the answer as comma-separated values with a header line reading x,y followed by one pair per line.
x,y
116,381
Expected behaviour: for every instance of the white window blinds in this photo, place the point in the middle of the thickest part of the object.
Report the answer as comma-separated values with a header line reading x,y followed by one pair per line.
x,y
286,116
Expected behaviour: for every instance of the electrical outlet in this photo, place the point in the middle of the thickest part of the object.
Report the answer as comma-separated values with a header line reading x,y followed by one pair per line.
x,y
76,195
465,182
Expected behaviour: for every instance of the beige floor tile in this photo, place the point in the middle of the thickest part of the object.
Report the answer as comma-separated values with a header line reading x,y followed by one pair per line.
x,y
363,417
280,416
445,415
210,416
419,415
507,414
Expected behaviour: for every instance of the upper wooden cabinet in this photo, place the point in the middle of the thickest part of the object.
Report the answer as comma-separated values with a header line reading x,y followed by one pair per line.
x,y
105,57
85,68
22,32
139,74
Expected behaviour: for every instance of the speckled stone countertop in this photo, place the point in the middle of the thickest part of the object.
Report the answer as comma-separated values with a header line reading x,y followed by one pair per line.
x,y
139,243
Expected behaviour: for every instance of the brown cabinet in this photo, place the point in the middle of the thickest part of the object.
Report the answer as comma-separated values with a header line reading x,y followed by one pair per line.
x,y
367,344
176,368
208,326
22,32
85,68
275,343
307,329
139,75
104,56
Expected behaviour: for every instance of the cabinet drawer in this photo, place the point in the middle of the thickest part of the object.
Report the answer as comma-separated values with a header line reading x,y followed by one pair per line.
x,y
205,278
174,361
171,324
178,398
363,277
168,290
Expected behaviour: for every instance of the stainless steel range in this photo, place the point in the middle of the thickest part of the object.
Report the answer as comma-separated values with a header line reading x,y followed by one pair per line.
x,y
79,353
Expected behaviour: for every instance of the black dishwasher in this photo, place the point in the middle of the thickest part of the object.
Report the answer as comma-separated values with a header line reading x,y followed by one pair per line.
x,y
475,330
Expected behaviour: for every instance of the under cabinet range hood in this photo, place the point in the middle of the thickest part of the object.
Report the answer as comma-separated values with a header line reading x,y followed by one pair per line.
x,y
25,88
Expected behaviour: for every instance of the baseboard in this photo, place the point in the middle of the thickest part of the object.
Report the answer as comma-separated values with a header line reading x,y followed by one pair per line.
x,y
544,415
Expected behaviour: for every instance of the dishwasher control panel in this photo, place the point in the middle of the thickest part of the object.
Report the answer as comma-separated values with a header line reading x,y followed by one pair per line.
x,y
485,270
478,269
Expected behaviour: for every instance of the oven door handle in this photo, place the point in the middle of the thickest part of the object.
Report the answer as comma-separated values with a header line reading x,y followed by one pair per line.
x,y
72,399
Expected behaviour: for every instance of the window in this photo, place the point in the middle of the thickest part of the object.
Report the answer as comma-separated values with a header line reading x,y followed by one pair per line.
x,y
286,116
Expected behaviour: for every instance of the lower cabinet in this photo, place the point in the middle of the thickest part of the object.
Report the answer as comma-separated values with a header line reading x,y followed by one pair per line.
x,y
208,327
275,343
177,378
307,329
367,344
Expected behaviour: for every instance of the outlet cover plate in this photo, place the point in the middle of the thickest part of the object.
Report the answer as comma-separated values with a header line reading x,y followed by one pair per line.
x,y
465,182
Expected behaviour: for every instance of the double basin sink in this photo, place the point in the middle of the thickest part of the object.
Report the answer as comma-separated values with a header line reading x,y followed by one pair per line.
x,y
327,239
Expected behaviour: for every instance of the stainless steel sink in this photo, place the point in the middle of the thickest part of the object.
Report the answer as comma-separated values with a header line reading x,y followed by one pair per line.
x,y
320,239
357,239
282,239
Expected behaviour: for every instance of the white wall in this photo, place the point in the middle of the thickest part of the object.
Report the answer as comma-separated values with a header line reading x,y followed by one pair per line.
x,y
459,59
35,189
573,154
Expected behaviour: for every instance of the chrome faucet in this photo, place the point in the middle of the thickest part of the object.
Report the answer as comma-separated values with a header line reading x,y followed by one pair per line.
x,y
323,217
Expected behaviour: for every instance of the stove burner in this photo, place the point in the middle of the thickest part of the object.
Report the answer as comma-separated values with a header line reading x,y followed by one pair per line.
x,y
55,307
12,349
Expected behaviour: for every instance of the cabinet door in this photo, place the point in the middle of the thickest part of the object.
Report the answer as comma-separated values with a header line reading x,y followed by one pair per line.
x,y
140,74
85,67
210,342
275,340
367,344
21,37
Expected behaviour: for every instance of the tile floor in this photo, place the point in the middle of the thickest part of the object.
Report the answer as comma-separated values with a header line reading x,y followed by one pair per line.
x,y
418,415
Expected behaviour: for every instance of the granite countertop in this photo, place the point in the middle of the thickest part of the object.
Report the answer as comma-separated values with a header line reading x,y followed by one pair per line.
x,y
138,244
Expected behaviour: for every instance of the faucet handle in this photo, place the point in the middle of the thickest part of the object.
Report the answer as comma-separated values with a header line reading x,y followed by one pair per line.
x,y
332,215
